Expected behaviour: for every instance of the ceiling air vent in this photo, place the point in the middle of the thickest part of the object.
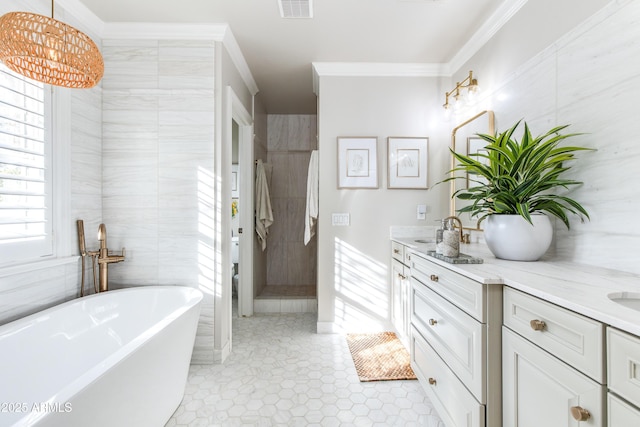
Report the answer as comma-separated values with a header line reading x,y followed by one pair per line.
x,y
296,8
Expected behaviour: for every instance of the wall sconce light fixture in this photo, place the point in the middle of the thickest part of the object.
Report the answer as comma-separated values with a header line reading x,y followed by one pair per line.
x,y
456,96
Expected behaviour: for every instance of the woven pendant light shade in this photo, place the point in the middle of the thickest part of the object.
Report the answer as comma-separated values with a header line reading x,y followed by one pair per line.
x,y
49,51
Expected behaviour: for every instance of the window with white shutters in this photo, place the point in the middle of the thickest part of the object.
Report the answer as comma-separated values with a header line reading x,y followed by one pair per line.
x,y
25,169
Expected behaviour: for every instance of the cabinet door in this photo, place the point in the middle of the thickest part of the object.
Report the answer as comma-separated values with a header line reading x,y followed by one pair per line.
x,y
540,390
397,296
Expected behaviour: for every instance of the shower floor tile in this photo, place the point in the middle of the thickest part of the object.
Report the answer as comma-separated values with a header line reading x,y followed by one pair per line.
x,y
282,373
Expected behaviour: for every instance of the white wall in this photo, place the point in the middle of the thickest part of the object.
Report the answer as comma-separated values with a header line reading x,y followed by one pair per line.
x,y
587,78
353,261
227,77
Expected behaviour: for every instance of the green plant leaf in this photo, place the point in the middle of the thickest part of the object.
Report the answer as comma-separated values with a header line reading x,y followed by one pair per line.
x,y
519,176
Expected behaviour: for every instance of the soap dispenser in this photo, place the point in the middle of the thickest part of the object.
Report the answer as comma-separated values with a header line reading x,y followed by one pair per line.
x,y
440,235
450,240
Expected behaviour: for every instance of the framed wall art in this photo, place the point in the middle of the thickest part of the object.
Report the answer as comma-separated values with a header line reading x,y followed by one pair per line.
x,y
357,162
407,162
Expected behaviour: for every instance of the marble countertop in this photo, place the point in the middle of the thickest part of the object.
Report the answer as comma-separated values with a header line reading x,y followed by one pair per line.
x,y
580,288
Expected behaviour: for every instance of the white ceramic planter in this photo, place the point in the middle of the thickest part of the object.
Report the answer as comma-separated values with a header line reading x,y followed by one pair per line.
x,y
511,237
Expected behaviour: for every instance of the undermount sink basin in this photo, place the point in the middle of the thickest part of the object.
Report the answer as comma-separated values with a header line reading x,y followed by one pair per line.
x,y
422,241
627,299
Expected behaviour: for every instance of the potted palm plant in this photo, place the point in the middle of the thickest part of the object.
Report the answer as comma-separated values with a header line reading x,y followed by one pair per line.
x,y
514,184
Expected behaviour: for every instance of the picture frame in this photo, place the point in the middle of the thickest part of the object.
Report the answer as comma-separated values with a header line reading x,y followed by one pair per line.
x,y
358,162
408,162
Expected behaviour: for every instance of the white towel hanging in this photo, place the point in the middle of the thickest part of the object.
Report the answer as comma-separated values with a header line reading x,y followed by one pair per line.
x,y
264,214
311,213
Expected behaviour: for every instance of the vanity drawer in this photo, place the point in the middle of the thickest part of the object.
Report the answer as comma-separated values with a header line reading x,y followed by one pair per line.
x,y
620,413
453,402
397,251
623,364
465,293
457,337
571,337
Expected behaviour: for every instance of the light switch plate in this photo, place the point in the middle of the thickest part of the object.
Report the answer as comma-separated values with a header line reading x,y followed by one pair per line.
x,y
340,219
421,212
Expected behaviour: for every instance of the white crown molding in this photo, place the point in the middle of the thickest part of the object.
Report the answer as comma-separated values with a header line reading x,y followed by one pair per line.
x,y
238,59
222,33
487,30
377,69
373,69
362,69
162,31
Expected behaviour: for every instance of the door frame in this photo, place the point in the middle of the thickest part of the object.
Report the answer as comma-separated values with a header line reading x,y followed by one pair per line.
x,y
243,118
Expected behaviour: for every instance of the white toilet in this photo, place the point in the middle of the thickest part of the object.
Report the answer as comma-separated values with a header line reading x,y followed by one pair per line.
x,y
235,246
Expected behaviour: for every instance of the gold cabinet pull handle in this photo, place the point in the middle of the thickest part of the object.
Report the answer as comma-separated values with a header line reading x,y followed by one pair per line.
x,y
396,251
537,325
579,413
402,276
432,381
433,322
434,277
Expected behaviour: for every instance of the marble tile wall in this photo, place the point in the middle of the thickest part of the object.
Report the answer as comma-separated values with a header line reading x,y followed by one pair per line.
x,y
290,140
587,79
158,179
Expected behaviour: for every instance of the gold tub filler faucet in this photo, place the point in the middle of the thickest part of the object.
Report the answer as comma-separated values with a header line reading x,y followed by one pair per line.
x,y
102,257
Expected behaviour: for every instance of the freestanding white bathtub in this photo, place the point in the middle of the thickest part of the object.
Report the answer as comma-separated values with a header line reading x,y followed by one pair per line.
x,y
116,359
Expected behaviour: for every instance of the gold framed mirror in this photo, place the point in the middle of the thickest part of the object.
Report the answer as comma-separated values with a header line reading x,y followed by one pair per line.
x,y
464,140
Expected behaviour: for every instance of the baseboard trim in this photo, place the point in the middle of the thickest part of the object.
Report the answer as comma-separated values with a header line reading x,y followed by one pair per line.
x,y
328,328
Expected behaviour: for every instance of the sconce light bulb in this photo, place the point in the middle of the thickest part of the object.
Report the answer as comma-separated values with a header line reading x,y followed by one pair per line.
x,y
447,112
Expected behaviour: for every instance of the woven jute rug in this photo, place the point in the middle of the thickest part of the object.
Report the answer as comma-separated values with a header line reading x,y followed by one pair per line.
x,y
380,357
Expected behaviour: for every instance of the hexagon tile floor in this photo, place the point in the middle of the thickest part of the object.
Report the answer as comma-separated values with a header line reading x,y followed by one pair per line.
x,y
282,373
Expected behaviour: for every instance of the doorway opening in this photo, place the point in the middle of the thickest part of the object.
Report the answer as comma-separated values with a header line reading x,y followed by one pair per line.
x,y
242,205
291,266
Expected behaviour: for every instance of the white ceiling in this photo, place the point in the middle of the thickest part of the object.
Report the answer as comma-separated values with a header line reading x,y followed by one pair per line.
x,y
280,51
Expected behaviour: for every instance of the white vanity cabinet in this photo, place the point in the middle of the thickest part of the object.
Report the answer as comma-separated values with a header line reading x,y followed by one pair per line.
x,y
455,343
400,287
623,369
553,365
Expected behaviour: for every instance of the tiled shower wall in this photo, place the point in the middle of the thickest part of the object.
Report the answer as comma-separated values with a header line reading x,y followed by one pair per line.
x,y
290,140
